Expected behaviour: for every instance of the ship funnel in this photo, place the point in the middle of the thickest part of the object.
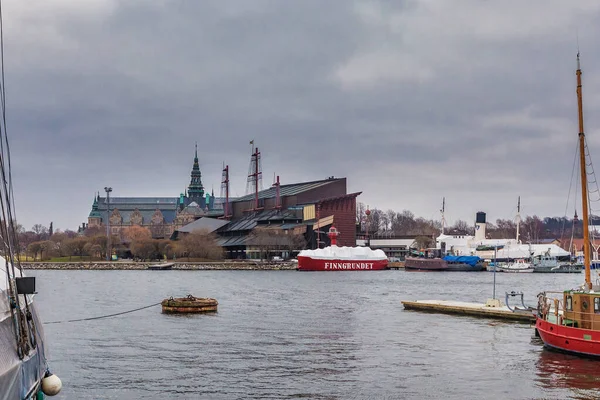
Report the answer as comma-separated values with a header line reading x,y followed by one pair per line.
x,y
480,226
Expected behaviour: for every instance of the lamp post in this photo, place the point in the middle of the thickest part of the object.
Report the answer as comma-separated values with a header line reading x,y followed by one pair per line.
x,y
108,249
367,213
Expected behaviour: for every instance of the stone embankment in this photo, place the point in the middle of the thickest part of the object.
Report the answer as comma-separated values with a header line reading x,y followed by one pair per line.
x,y
121,265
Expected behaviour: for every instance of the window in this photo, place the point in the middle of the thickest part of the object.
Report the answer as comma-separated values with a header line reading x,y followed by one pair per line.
x,y
597,304
569,305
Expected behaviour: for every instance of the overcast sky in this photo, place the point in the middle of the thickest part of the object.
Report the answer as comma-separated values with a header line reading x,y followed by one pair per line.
x,y
412,101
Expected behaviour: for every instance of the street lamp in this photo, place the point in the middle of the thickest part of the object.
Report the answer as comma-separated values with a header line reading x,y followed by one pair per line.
x,y
367,213
108,250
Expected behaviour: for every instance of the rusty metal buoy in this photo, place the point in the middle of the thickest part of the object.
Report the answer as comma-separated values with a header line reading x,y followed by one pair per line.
x,y
189,304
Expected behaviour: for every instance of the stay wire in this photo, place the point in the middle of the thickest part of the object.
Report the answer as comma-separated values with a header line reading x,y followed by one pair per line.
x,y
573,172
102,316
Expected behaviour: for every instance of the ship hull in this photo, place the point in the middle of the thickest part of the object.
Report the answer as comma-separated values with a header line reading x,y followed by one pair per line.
x,y
569,339
463,267
322,264
425,264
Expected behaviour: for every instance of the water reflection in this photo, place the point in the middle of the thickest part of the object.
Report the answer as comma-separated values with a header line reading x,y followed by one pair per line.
x,y
559,370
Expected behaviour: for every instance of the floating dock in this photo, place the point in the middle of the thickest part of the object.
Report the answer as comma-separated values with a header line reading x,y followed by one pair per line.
x,y
496,311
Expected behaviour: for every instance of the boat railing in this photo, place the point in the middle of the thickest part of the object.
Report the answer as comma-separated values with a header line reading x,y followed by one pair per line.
x,y
553,309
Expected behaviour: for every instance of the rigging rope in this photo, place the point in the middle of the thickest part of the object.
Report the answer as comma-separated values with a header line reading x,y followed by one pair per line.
x,y
102,316
574,170
597,190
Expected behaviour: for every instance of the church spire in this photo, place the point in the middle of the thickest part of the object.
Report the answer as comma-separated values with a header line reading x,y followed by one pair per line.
x,y
195,189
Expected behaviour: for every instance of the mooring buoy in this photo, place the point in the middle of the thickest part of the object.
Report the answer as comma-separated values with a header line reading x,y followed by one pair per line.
x,y
189,304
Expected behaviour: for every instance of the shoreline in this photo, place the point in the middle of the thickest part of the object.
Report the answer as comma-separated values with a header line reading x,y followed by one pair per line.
x,y
184,266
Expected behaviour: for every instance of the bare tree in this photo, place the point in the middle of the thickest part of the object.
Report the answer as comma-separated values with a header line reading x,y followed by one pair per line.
x,y
34,249
424,242
94,230
41,231
99,243
77,246
265,241
360,212
144,249
135,233
460,227
201,244
294,241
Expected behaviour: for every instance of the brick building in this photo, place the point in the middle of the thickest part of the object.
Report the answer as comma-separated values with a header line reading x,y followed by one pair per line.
x,y
271,217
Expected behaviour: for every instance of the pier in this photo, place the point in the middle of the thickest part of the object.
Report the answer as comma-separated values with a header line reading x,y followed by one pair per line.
x,y
496,311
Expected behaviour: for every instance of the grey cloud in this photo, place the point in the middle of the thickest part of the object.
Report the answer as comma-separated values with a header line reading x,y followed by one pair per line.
x,y
410,100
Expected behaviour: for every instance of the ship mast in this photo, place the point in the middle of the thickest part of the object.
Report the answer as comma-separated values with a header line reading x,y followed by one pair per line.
x,y
442,211
584,190
518,217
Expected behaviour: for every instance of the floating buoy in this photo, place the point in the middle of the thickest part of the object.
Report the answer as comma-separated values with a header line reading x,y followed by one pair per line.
x,y
51,384
189,304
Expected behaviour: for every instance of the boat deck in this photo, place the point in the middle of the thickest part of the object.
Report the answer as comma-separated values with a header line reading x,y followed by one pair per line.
x,y
472,309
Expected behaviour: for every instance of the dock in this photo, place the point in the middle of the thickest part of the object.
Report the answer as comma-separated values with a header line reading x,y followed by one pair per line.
x,y
396,265
496,311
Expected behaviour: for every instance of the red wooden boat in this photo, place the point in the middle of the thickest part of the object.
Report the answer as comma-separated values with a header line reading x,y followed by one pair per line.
x,y
570,322
334,258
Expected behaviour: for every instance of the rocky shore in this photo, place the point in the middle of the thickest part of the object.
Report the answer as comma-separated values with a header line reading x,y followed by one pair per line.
x,y
121,265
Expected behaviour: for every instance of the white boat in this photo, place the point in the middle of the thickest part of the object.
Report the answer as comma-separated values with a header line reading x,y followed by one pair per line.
x,y
516,266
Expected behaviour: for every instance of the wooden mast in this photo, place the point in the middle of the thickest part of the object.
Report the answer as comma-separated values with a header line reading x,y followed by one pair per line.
x,y
584,190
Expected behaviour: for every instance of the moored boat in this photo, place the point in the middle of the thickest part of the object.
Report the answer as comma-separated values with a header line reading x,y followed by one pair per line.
x,y
334,258
24,370
547,263
446,263
161,267
569,321
425,264
464,263
518,266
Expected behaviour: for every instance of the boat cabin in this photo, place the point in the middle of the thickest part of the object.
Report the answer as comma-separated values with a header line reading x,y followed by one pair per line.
x,y
581,310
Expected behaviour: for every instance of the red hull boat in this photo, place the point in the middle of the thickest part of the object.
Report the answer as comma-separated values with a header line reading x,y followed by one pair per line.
x,y
569,321
334,258
317,264
569,339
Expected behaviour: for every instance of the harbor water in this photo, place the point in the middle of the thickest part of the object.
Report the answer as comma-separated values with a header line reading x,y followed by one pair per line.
x,y
308,335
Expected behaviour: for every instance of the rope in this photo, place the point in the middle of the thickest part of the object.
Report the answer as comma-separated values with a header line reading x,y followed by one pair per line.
x,y
102,316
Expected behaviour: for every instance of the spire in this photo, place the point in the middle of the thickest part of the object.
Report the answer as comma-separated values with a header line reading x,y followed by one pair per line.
x,y
195,189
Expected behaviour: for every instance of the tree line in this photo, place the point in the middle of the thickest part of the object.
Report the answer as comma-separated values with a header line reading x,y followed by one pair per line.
x,y
531,228
133,241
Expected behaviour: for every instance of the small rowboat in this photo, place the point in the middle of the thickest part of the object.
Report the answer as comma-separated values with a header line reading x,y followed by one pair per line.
x,y
161,267
189,304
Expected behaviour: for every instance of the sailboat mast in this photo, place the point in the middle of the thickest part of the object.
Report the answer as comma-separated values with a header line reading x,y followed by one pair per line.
x,y
584,190
518,218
